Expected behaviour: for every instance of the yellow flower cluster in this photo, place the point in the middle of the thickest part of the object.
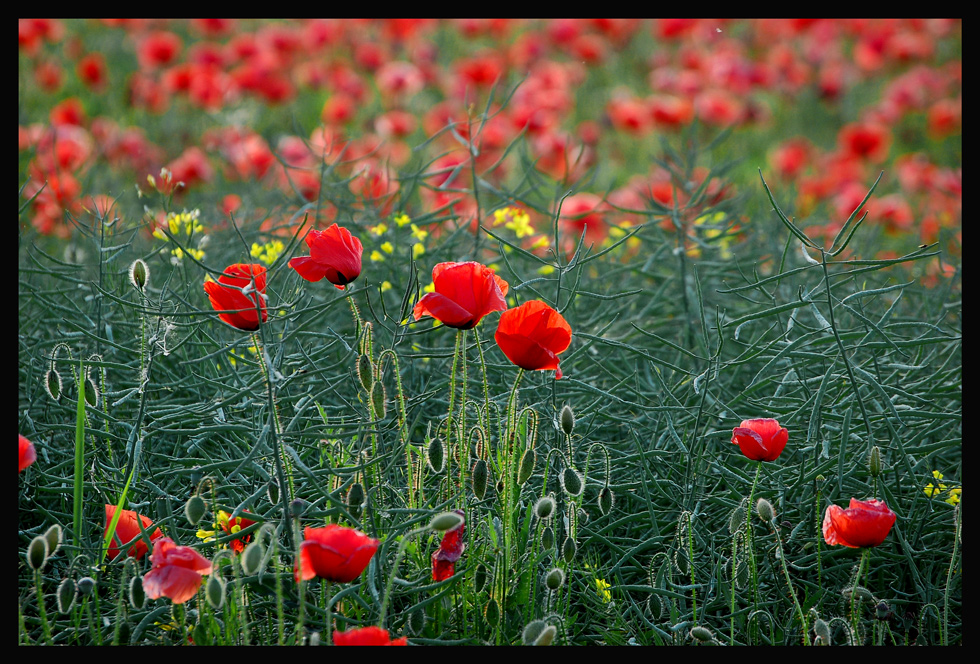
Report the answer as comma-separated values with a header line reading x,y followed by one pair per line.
x,y
267,253
933,490
184,226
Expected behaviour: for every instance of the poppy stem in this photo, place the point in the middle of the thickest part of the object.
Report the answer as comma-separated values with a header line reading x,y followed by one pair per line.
x,y
855,601
748,536
357,315
789,584
461,442
509,480
329,610
486,387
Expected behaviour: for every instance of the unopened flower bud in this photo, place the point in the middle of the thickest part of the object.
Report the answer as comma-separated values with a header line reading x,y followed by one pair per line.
x,y
547,538
52,383
37,552
365,372
86,585
53,536
547,636
555,578
252,557
194,509
764,509
544,507
571,481
480,473
435,455
67,591
214,591
567,419
445,521
527,466
569,549
137,596
702,633
297,507
139,274
379,400
606,500
874,462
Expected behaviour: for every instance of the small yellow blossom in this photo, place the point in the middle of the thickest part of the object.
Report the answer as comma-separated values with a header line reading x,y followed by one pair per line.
x,y
545,270
385,286
267,253
541,242
602,587
205,535
418,249
402,219
377,256
418,233
932,490
380,229
954,496
388,248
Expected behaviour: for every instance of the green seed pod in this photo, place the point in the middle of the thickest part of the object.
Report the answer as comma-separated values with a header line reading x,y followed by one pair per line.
x,y
555,578
86,585
52,383
480,577
272,492
137,596
545,507
492,613
764,509
568,550
546,637
214,591
435,455
67,591
874,462
445,521
194,509
861,593
702,633
571,481
379,399
547,538
480,472
567,420
606,500
37,552
532,631
252,557
365,372
416,621
53,536
139,274
527,466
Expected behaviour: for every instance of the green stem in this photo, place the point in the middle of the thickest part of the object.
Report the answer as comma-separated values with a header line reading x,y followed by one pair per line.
x,y
789,584
855,601
329,611
486,387
41,610
748,537
462,444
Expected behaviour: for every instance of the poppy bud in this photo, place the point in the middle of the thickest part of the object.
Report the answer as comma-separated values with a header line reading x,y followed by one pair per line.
x,y
492,613
544,507
214,591
194,510
435,455
532,631
554,579
139,274
37,552
764,509
52,383
822,631
272,492
546,637
547,538
91,392
297,507
874,462
355,499
882,611
568,550
379,399
67,591
571,481
480,577
137,596
445,521
567,419
702,633
53,536
861,593
416,621
606,500
86,585
252,557
527,466
480,473
365,372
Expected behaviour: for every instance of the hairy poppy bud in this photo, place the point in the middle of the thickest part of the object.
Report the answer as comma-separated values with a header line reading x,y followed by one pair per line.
x,y
702,633
139,274
67,591
53,536
365,372
532,631
547,538
91,392
569,549
37,552
379,400
874,462
547,636
416,621
567,419
435,455
194,509
555,578
571,481
480,577
52,384
86,585
355,499
822,631
527,466
480,473
214,591
492,613
272,492
606,500
764,509
445,521
252,557
861,593
544,507
137,596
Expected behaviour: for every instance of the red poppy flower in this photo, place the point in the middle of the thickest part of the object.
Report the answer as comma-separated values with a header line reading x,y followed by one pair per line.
x,y
864,523
127,530
334,553
28,455
464,294
236,293
367,636
450,549
533,335
760,439
232,526
176,571
334,254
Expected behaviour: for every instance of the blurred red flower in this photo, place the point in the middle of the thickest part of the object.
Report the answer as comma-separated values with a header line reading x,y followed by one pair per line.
x,y
334,254
864,523
176,571
234,525
865,140
28,455
127,530
335,553
464,293
367,636
533,335
92,71
236,293
450,549
760,439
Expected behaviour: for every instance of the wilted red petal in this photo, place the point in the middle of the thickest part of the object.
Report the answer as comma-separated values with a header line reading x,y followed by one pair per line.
x,y
176,572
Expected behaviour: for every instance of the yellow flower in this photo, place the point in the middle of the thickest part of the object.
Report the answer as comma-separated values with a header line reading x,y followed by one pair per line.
x,y
954,496
385,286
205,535
546,269
267,253
379,229
377,256
388,248
602,587
403,219
418,249
932,490
418,233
